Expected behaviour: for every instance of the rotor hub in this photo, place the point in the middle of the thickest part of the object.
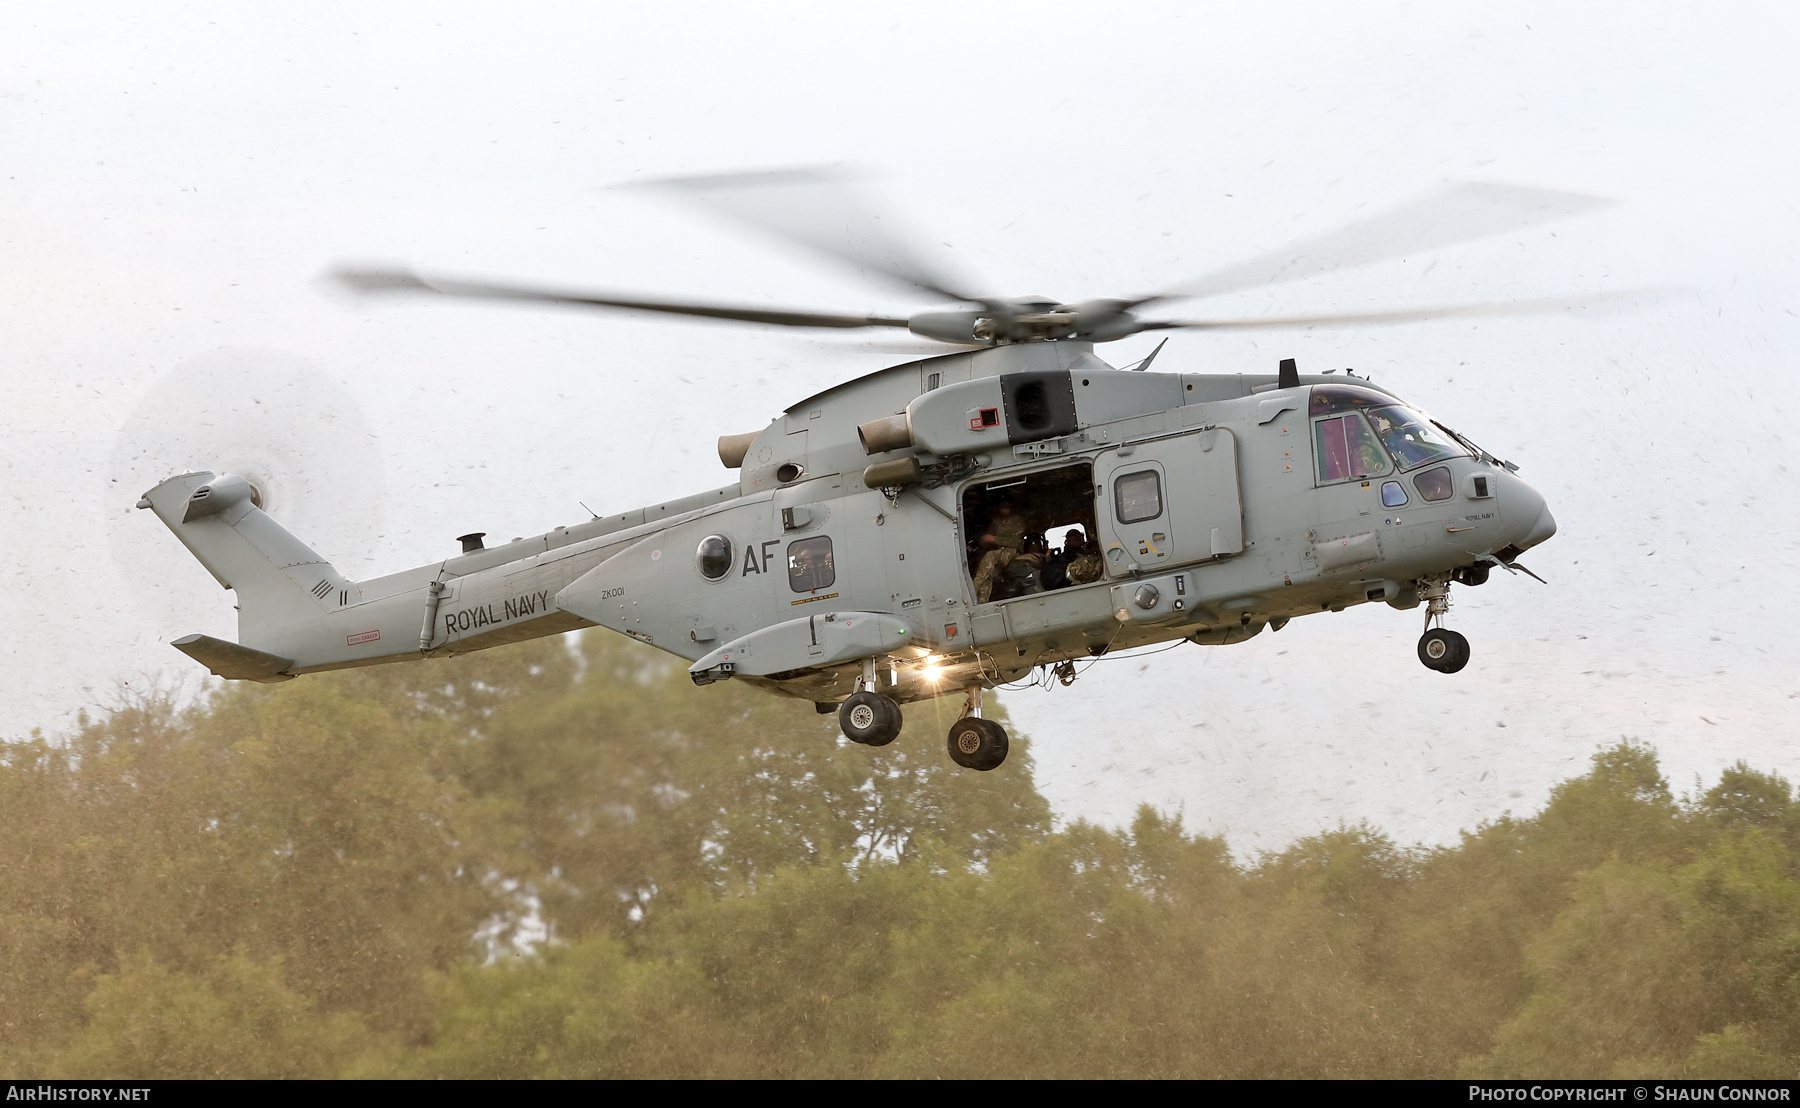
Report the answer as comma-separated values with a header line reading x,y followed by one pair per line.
x,y
1025,327
1040,319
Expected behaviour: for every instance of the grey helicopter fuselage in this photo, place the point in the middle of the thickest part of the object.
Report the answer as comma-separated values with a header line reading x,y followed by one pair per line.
x,y
845,555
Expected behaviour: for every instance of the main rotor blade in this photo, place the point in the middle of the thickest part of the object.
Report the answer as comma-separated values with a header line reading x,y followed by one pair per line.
x,y
1623,299
1454,214
919,348
379,280
819,209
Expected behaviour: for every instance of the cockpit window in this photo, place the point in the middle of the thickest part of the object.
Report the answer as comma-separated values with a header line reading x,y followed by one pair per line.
x,y
1466,442
1328,399
1435,483
1411,438
1346,449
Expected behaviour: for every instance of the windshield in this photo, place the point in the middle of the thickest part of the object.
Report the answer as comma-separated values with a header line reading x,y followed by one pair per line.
x,y
1346,450
1472,446
1411,438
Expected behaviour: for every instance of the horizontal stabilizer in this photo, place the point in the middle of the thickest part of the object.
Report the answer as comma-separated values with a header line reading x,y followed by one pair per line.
x,y
234,662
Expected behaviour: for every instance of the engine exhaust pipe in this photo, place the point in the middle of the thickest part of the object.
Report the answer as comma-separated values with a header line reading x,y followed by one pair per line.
x,y
898,473
732,448
880,435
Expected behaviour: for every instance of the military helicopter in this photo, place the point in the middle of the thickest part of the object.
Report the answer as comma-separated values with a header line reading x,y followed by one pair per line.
x,y
958,522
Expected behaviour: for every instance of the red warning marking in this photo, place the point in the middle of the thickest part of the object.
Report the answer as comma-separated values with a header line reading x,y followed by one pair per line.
x,y
362,637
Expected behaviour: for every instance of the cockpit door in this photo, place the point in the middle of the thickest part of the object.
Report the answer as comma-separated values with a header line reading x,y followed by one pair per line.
x,y
1194,495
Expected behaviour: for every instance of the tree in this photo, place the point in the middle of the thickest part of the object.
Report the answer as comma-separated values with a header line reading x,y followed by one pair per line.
x,y
539,861
588,1009
634,787
1653,964
237,1019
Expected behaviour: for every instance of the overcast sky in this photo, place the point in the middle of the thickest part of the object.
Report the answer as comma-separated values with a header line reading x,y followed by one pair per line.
x,y
174,182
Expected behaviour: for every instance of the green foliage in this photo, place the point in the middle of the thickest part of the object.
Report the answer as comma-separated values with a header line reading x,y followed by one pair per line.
x,y
238,1019
545,862
1652,963
1746,797
582,1010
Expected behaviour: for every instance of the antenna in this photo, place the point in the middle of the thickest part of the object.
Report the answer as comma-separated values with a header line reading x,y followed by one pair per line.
x,y
1145,364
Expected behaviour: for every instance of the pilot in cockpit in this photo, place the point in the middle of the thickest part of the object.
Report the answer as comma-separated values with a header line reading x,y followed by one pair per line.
x,y
1367,457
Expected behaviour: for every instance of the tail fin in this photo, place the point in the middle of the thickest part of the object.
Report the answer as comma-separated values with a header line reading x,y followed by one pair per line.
x,y
280,581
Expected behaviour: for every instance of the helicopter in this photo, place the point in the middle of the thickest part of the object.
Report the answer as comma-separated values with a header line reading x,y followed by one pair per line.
x,y
955,523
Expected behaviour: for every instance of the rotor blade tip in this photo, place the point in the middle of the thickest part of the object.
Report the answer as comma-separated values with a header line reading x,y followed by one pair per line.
x,y
372,280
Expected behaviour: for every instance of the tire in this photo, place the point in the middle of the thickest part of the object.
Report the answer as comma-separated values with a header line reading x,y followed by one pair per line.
x,y
1444,651
869,718
1461,655
977,744
895,721
965,741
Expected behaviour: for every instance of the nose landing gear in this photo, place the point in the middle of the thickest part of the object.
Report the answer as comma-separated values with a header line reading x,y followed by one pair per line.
x,y
1444,651
1439,648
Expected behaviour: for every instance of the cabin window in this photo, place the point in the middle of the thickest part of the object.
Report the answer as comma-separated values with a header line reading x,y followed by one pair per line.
x,y
1435,484
1411,438
1346,449
809,565
713,557
1392,495
1138,496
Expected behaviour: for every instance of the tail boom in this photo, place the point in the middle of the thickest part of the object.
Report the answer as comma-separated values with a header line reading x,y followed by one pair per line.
x,y
298,615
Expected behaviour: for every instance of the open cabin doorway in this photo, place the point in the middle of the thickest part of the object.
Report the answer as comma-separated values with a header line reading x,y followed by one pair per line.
x,y
1031,533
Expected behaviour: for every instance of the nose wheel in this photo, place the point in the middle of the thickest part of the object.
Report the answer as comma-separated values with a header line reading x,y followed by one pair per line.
x,y
1439,647
1444,651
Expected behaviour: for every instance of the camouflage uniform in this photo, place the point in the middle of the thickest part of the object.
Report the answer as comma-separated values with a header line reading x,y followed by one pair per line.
x,y
1085,569
1009,536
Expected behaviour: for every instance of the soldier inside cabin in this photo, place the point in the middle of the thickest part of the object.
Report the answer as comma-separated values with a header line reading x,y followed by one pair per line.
x,y
1000,545
1074,564
1082,559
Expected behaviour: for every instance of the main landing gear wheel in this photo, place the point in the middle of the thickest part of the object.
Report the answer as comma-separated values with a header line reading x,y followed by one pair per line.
x,y
977,743
870,718
1444,651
